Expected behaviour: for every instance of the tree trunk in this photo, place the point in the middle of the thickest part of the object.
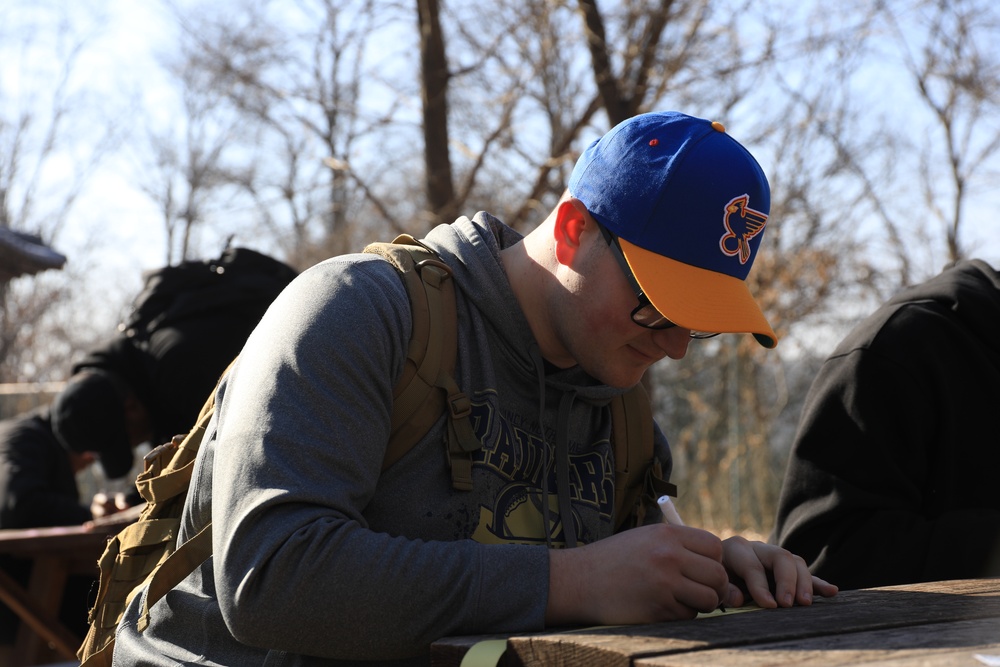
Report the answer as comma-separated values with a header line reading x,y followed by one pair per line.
x,y
434,84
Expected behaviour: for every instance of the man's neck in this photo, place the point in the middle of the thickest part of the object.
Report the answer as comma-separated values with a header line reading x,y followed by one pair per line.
x,y
530,281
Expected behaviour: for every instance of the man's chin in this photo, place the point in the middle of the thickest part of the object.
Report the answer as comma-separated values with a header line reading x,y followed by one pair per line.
x,y
624,379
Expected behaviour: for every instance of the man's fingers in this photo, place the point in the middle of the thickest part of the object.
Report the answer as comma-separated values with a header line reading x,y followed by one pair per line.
x,y
792,580
824,588
746,564
699,541
700,597
706,566
773,576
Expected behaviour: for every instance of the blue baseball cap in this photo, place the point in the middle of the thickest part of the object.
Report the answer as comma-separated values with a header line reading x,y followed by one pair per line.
x,y
689,205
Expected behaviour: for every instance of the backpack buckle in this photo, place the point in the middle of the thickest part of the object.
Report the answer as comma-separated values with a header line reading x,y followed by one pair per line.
x,y
459,405
433,272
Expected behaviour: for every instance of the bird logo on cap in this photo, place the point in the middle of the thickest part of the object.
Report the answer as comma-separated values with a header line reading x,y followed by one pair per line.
x,y
742,223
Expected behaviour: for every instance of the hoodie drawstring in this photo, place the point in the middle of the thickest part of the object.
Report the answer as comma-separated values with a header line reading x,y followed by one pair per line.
x,y
536,360
562,469
562,457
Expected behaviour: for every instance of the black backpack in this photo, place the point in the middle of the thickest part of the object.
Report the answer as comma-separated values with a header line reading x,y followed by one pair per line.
x,y
241,283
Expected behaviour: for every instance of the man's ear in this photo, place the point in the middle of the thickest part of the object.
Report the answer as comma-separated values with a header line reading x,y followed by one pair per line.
x,y
571,221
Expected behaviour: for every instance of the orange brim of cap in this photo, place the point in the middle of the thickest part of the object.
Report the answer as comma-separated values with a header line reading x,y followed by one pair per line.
x,y
696,298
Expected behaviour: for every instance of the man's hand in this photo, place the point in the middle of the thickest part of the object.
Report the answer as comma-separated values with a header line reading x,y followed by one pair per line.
x,y
662,572
644,575
770,575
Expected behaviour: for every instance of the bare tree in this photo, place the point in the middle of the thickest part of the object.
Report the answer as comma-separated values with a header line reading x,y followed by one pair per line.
x,y
298,93
42,127
623,94
949,51
185,165
434,76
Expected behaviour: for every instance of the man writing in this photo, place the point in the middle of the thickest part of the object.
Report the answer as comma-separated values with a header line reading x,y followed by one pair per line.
x,y
322,558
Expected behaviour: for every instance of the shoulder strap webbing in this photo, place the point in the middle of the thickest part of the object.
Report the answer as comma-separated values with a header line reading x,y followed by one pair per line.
x,y
178,565
638,478
183,560
427,387
144,551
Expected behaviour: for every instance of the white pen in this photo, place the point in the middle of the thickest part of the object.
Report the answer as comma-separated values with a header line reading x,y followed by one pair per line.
x,y
670,514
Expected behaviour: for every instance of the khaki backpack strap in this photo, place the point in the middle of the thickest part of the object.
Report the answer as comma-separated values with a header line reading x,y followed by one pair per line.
x,y
159,484
143,553
427,387
174,569
638,479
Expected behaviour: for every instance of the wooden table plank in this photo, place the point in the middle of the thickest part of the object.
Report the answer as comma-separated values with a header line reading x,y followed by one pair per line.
x,y
57,540
932,645
56,552
847,613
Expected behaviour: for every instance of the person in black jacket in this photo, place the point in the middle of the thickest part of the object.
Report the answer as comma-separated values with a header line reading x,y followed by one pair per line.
x,y
892,476
149,382
146,384
38,488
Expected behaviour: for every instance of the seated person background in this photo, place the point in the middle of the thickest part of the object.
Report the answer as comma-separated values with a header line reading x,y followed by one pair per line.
x,y
188,323
146,384
38,488
892,477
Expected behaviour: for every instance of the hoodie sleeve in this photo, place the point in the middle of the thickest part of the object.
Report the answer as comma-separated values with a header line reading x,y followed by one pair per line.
x,y
301,436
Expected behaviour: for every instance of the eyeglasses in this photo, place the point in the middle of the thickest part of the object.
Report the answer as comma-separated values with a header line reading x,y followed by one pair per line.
x,y
645,314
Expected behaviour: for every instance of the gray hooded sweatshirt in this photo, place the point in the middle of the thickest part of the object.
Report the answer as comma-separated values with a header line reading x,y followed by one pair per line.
x,y
320,558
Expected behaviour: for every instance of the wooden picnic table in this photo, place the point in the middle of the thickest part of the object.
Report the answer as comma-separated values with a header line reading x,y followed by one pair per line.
x,y
55,553
930,624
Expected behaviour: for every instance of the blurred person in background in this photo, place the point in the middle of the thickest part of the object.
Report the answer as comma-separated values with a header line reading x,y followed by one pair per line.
x,y
144,385
892,476
38,488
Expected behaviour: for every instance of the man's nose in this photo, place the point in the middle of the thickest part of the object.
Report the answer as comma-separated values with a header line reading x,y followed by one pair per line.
x,y
673,341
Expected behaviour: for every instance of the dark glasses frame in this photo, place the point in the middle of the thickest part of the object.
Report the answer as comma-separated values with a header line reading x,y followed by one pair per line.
x,y
645,314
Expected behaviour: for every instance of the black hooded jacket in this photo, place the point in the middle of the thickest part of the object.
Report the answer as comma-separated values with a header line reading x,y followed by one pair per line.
x,y
37,483
892,476
38,488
